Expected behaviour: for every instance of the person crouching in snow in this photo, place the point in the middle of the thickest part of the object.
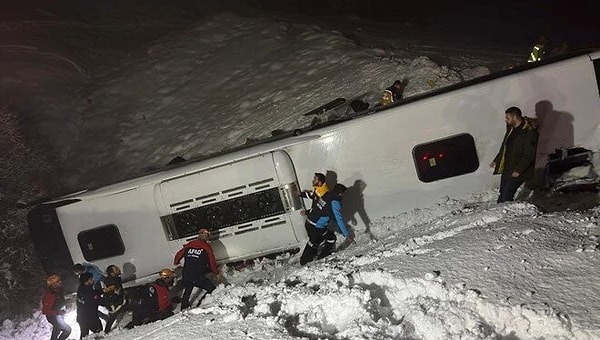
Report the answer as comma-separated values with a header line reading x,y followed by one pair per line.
x,y
53,307
155,303
198,265
88,300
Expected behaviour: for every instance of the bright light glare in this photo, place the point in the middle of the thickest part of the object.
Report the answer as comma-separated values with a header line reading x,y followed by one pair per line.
x,y
328,140
71,319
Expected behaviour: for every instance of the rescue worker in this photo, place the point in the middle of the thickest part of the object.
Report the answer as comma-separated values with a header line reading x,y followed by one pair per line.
x,y
97,274
155,303
393,93
88,300
329,206
199,263
538,50
54,308
113,295
516,159
320,188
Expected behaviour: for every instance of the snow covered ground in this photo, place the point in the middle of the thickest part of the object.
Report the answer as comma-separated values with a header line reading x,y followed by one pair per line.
x,y
462,269
109,103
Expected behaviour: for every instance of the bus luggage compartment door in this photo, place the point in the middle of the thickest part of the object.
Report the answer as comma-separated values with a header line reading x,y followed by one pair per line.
x,y
252,207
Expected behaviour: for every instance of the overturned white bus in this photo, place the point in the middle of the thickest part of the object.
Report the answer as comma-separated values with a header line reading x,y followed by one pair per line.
x,y
392,159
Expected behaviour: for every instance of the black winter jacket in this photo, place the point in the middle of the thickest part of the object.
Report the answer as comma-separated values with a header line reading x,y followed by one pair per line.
x,y
87,304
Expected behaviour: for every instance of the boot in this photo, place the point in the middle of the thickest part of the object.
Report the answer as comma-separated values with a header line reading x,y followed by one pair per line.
x,y
308,254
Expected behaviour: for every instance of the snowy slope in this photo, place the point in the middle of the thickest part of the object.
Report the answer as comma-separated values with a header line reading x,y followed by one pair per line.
x,y
462,269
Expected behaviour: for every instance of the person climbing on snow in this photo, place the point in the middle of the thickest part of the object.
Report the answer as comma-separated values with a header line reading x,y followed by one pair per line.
x,y
320,188
319,236
199,263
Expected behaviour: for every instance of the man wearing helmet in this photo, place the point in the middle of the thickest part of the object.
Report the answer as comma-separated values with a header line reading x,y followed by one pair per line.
x,y
53,306
199,261
155,302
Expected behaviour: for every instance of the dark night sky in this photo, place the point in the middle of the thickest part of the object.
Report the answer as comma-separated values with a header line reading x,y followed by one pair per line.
x,y
575,21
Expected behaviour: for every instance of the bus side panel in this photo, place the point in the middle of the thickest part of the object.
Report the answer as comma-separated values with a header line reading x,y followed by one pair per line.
x,y
134,214
372,155
234,202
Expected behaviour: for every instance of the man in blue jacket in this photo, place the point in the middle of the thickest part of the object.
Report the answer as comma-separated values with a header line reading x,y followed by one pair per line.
x,y
97,274
327,207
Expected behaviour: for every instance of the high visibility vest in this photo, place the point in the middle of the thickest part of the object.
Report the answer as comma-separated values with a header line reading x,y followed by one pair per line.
x,y
387,97
537,53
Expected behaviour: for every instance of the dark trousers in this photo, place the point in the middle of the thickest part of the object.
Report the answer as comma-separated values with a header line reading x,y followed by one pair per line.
x,y
508,187
88,322
323,238
142,314
112,317
60,329
86,328
203,283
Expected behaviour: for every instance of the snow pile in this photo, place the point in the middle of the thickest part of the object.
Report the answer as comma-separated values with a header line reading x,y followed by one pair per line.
x,y
213,86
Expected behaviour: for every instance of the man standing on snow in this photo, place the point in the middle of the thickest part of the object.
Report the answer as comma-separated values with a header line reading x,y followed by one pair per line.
x,y
516,159
327,207
199,262
53,307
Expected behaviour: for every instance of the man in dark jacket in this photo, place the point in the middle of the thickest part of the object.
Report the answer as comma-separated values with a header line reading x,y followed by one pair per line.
x,y
199,262
516,159
329,206
113,295
155,302
88,300
53,307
